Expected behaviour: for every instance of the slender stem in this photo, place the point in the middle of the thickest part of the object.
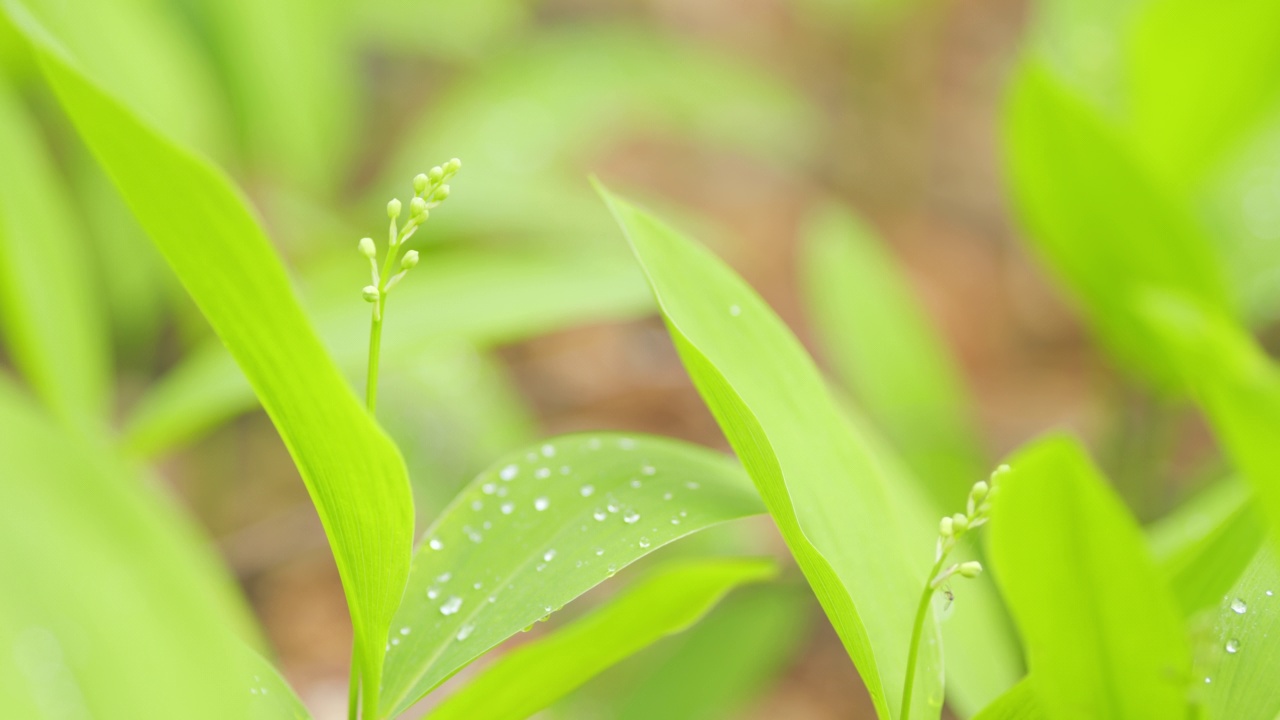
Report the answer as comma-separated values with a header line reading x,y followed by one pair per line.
x,y
921,611
375,349
353,688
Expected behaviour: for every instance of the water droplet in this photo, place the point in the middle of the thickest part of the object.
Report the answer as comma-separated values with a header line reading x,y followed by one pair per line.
x,y
444,577
599,552
1268,593
488,488
477,505
395,641
502,491
477,586
565,469
432,593
451,606
493,598
612,569
1238,606
631,517
675,521
613,507
435,544
546,609
1233,646
648,470
593,444
692,485
626,444
549,555
548,450
587,490
487,525
541,504
507,508
541,567
734,310
253,691
542,473
644,542
531,456
475,537
635,483
1208,680
599,515
465,631
405,630
666,496
509,472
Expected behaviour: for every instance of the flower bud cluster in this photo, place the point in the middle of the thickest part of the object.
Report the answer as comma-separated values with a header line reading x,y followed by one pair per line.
x,y
952,528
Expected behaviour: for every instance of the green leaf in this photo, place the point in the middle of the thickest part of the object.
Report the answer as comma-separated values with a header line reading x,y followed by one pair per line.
x,y
816,474
1100,219
1233,381
666,601
202,226
540,528
270,696
1204,545
1019,703
885,352
484,298
724,663
52,327
1104,639
110,606
1238,661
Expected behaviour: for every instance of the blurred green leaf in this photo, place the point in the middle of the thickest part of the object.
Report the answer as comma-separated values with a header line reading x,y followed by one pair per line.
x,y
817,476
1233,381
52,326
667,600
201,224
1237,662
1203,545
724,663
1099,219
1019,703
292,75
1202,76
110,606
484,298
539,528
440,28
270,697
1104,639
884,350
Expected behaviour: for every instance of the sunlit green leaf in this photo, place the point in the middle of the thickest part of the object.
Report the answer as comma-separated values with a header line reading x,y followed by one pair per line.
x,y
109,608
1019,703
202,226
885,352
538,529
825,491
1104,638
667,600
441,28
270,697
1099,218
1237,663
52,327
484,298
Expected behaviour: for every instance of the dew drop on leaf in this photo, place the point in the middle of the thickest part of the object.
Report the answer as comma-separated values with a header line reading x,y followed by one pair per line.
x,y
644,542
1233,646
541,504
507,508
451,606
549,555
435,544
587,490
509,472
631,517
1238,606
465,631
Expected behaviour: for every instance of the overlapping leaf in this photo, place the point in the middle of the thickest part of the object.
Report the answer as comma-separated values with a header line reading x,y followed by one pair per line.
x,y
538,529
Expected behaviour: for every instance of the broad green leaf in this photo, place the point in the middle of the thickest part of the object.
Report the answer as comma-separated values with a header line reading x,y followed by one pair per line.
x,y
1019,703
270,696
1104,638
1099,219
885,352
483,298
818,478
1234,382
1202,77
52,327
666,601
726,661
1237,664
202,226
540,528
526,120
292,77
1204,545
110,606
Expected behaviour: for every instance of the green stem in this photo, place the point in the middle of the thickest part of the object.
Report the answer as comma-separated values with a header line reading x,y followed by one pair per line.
x,y
375,350
353,688
913,654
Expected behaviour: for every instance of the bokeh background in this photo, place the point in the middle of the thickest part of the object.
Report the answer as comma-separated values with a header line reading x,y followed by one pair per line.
x,y
762,127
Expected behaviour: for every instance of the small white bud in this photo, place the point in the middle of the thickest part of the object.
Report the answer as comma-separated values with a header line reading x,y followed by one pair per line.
x,y
1000,472
944,527
370,293
971,569
441,194
367,248
393,209
959,522
452,166
420,182
409,260
979,491
435,174
417,207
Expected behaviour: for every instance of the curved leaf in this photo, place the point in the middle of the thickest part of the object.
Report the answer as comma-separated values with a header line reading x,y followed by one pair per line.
x,y
1019,703
818,477
1104,638
202,226
540,528
270,697
666,601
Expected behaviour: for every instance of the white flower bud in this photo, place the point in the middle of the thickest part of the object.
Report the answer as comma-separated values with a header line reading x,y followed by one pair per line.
x,y
971,569
435,174
959,522
420,182
418,207
452,166
441,194
370,294
944,527
979,491
367,248
409,260
393,209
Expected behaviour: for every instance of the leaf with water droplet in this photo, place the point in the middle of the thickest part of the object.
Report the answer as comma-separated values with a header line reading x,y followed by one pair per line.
x,y
550,526
1241,652
667,600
